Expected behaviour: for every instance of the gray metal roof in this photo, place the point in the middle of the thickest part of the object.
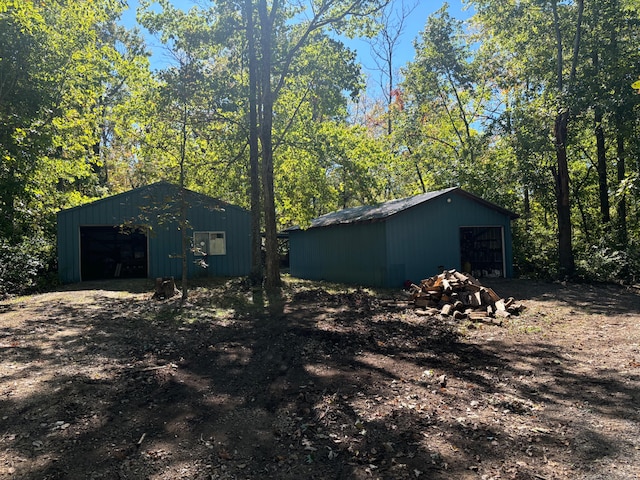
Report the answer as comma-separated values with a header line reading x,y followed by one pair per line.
x,y
160,188
370,213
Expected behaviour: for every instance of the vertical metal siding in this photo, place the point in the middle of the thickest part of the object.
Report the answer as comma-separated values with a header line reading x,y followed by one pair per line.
x,y
236,223
344,253
428,236
410,245
164,239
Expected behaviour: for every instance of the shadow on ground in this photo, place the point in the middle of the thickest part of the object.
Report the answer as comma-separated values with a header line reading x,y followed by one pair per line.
x,y
312,385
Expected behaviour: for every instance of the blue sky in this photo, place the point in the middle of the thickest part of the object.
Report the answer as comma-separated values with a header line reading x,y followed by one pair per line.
x,y
414,24
405,52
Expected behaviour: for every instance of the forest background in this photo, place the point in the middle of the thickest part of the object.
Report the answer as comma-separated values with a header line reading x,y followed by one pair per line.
x,y
528,104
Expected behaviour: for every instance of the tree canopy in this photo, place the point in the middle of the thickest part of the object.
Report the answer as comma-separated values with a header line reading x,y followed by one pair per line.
x,y
531,105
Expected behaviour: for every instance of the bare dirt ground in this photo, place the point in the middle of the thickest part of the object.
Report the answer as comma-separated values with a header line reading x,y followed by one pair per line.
x,y
100,381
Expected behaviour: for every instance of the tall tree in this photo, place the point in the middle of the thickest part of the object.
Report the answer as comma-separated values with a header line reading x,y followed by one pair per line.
x,y
267,55
275,69
384,47
184,108
59,61
57,64
254,147
447,102
26,95
624,52
561,174
130,74
598,111
529,31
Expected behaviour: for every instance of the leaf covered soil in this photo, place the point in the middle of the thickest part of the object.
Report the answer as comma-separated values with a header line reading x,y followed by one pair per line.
x,y
100,381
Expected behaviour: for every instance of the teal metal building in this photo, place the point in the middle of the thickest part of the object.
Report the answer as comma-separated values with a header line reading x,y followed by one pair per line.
x,y
136,235
407,239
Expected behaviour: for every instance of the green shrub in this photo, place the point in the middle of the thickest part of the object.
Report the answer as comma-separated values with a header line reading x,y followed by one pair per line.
x,y
26,267
535,254
602,263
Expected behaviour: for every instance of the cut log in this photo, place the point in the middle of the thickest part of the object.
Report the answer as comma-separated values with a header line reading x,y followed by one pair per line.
x,y
476,299
394,304
485,296
447,308
472,280
515,308
461,277
493,295
165,288
470,287
422,301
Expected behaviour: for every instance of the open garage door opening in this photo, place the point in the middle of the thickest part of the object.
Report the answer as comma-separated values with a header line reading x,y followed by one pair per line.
x,y
112,252
482,251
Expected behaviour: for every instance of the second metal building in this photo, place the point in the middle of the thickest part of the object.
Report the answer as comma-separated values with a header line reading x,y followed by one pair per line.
x,y
407,239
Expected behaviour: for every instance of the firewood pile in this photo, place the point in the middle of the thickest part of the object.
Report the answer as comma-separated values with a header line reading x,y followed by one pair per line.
x,y
461,296
165,288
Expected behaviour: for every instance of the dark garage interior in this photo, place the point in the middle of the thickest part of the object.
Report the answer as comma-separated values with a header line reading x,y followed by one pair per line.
x,y
481,251
112,252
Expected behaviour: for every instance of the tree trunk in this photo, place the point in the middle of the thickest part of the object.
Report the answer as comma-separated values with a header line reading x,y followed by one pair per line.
x,y
527,209
621,209
254,153
420,179
7,205
272,264
620,114
185,246
183,209
603,186
563,204
390,94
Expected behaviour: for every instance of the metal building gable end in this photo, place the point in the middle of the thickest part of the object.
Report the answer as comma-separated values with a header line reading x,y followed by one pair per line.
x,y
152,208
